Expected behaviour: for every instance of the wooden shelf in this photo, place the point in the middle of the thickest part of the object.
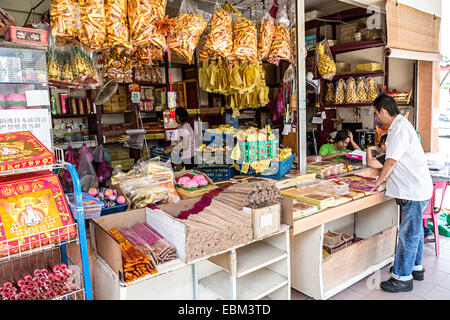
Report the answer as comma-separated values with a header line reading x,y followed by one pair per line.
x,y
347,105
351,46
357,75
253,286
346,15
63,116
257,255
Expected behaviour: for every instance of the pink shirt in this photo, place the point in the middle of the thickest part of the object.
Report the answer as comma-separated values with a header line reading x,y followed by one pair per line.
x,y
186,143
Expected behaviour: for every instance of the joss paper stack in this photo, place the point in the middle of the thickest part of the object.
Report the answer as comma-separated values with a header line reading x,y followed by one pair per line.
x,y
300,210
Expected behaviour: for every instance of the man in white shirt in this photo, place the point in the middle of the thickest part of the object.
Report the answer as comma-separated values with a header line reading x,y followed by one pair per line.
x,y
410,183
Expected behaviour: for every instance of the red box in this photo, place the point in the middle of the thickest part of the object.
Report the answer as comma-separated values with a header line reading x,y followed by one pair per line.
x,y
33,212
27,35
20,150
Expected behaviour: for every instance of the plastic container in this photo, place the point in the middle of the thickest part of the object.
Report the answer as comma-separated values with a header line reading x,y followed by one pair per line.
x,y
116,209
258,150
91,211
276,170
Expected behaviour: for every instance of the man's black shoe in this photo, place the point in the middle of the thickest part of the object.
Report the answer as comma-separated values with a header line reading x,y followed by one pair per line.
x,y
394,286
417,275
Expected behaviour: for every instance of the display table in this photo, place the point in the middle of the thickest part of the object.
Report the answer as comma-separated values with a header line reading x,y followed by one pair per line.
x,y
373,218
257,270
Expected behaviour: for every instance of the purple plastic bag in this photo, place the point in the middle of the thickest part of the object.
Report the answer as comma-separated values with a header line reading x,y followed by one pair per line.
x,y
104,171
276,106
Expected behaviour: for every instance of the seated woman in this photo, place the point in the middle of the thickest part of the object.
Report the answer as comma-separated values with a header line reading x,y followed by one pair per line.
x,y
375,156
338,147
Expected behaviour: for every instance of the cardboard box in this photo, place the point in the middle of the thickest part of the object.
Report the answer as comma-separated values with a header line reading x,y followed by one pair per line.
x,y
266,220
27,35
335,241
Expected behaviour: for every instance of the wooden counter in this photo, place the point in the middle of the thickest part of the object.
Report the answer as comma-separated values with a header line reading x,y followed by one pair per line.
x,y
373,218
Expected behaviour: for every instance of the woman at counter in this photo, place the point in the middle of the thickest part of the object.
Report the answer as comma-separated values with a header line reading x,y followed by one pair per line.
x,y
338,147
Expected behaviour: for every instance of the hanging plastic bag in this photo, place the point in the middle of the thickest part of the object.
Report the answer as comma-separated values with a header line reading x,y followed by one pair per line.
x,y
143,19
294,44
350,91
220,37
329,96
324,60
64,19
185,34
117,33
372,91
245,40
266,32
361,90
92,26
340,92
86,172
104,171
281,41
276,106
71,158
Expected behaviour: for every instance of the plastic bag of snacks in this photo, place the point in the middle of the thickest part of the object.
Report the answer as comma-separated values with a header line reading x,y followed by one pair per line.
x,y
117,33
281,41
340,92
6,20
220,37
361,90
185,34
245,40
329,96
372,91
350,92
64,19
92,27
294,44
266,32
324,60
143,19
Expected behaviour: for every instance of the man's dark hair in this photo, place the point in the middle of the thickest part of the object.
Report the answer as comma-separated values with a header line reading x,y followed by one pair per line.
x,y
341,136
183,114
387,103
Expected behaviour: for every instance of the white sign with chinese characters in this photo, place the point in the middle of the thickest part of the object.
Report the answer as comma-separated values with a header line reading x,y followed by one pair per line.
x,y
37,121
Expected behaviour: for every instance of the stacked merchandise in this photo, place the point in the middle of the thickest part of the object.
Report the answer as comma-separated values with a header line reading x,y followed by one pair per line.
x,y
252,194
213,225
360,183
149,182
335,241
325,169
301,210
324,194
136,264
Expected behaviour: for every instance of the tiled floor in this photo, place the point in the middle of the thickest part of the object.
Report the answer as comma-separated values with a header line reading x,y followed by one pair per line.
x,y
436,285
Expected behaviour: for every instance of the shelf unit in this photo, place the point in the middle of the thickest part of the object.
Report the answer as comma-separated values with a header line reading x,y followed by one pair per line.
x,y
59,247
259,270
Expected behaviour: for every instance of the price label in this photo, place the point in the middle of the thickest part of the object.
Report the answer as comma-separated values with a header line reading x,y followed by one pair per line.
x,y
135,97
